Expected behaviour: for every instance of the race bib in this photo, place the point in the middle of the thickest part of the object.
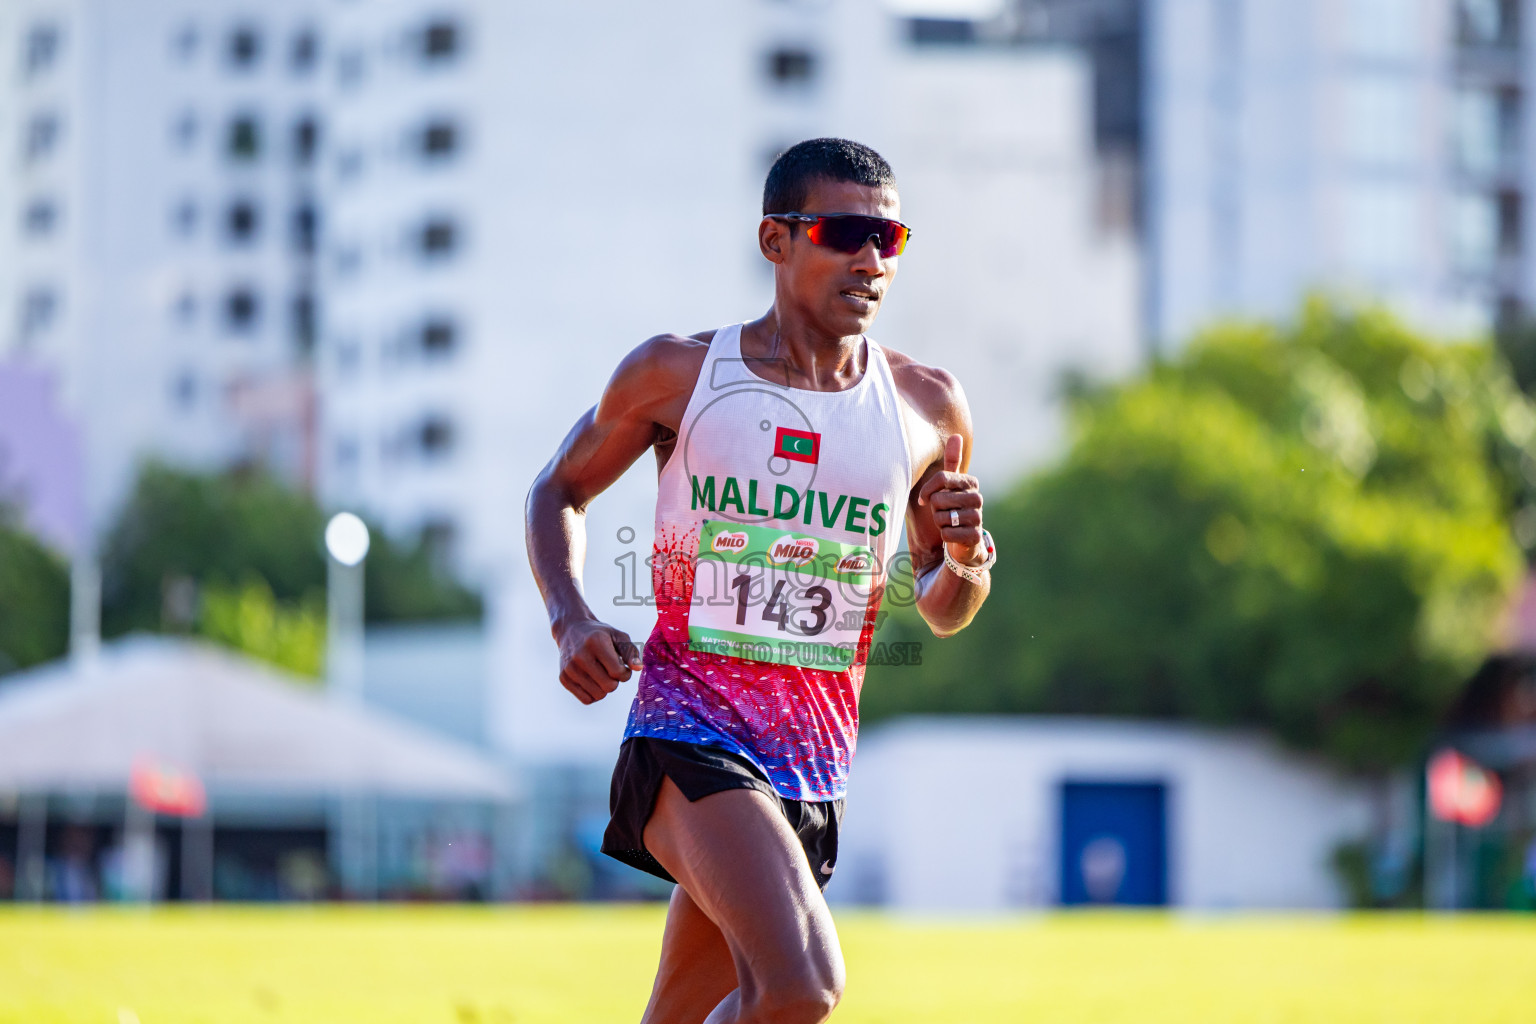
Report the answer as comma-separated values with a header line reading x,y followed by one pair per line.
x,y
778,596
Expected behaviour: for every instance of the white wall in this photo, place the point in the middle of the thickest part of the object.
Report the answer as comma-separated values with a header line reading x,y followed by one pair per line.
x,y
1008,281
962,814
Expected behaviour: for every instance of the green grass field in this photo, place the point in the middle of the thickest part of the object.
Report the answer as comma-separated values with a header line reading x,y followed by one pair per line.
x,y
573,965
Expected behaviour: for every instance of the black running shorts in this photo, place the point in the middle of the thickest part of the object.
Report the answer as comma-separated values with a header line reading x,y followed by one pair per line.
x,y
698,771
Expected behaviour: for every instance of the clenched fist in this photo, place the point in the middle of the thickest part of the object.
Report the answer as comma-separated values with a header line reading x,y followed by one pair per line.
x,y
595,658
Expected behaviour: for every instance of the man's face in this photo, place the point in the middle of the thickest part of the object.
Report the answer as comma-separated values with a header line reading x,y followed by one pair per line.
x,y
838,293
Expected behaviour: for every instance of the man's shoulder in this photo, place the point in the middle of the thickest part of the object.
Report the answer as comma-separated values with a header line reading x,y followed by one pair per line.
x,y
673,349
666,359
932,391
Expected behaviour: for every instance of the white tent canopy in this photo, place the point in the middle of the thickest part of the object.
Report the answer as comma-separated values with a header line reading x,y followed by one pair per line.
x,y
232,722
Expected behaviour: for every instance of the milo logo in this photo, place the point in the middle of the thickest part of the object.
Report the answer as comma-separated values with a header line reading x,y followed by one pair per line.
x,y
728,542
798,550
852,564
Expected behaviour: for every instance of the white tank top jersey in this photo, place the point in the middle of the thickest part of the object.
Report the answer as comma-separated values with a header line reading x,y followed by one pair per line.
x,y
777,514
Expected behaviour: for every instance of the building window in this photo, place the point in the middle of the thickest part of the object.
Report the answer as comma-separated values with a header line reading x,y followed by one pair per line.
x,y
303,319
41,139
306,139
242,309
346,452
346,260
305,53
435,436
39,309
243,142
306,228
437,238
1488,22
184,390
1475,232
1487,130
438,336
242,222
184,43
1510,217
40,218
438,139
440,41
349,356
184,217
792,66
244,49
941,31
184,131
350,67
41,49
349,164
186,307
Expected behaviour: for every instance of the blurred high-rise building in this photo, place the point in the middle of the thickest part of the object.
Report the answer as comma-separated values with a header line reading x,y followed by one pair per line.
x,y
1493,237
1303,145
1373,148
157,225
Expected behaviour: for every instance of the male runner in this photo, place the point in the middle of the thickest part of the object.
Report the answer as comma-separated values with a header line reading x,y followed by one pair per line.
x,y
784,447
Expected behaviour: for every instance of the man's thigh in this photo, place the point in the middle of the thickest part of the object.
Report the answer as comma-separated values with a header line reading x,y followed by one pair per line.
x,y
743,866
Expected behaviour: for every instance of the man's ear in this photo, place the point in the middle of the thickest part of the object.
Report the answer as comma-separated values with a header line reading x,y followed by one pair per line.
x,y
773,239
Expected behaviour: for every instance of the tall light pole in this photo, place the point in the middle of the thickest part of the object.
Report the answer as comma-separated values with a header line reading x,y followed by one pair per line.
x,y
346,541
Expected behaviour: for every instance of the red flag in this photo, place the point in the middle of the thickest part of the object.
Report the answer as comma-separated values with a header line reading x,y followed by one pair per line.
x,y
161,788
1461,790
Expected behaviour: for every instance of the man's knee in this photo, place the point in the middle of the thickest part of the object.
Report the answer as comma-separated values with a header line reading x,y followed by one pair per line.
x,y
805,996
800,1006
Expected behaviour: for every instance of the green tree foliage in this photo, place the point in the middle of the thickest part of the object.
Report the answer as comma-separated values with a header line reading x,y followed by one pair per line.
x,y
250,619
182,538
1303,528
34,599
1516,340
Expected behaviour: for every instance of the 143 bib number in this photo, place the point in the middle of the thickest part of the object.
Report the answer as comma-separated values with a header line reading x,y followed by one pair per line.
x,y
777,596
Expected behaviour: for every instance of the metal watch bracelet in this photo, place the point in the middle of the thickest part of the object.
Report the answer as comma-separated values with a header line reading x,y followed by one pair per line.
x,y
973,573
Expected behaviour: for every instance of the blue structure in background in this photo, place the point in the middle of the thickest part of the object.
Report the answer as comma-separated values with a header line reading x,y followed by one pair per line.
x,y
1114,843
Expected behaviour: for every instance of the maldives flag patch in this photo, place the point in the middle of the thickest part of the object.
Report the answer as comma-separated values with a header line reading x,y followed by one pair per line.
x,y
797,445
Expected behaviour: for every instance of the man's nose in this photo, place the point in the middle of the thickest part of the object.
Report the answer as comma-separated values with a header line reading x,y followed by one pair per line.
x,y
867,260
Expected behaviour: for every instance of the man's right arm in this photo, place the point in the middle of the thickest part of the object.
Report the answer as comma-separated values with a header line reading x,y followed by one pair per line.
x,y
641,405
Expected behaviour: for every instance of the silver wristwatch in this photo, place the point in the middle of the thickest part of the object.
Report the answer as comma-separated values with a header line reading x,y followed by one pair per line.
x,y
973,572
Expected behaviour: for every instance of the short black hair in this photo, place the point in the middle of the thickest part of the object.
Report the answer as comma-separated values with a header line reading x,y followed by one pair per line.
x,y
790,178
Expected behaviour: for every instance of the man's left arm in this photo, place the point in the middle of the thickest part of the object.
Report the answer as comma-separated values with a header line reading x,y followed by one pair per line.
x,y
944,513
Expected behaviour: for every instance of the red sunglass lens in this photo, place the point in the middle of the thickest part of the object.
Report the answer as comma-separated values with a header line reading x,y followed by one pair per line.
x,y
848,234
